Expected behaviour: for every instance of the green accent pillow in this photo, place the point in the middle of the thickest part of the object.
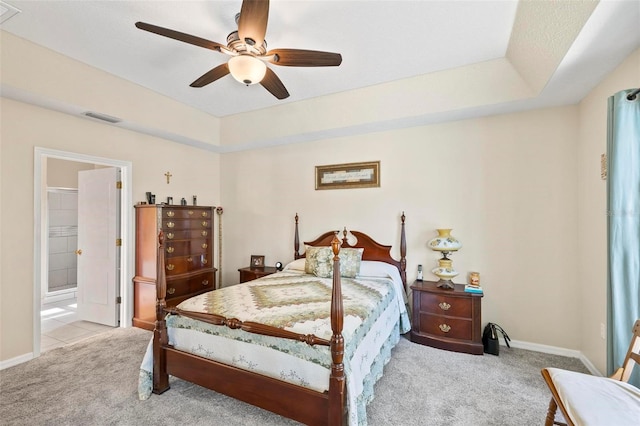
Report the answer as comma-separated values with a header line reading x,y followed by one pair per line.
x,y
319,261
350,259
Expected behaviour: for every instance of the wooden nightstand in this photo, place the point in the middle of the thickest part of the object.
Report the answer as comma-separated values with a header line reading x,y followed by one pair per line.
x,y
251,273
446,319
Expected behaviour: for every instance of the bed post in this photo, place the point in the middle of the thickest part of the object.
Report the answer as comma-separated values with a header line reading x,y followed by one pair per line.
x,y
296,242
160,376
337,379
403,254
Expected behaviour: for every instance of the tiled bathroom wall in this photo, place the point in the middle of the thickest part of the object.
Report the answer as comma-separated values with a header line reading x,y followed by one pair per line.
x,y
63,238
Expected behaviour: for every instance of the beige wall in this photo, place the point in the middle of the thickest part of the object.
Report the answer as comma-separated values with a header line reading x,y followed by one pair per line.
x,y
592,205
506,185
63,173
194,172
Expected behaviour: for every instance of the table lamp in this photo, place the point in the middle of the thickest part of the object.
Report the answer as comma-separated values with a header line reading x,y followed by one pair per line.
x,y
445,243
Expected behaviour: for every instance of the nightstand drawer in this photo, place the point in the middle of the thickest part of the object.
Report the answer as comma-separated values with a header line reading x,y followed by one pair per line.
x,y
438,325
445,305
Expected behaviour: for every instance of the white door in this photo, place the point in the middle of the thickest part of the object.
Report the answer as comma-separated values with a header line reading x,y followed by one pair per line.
x,y
98,251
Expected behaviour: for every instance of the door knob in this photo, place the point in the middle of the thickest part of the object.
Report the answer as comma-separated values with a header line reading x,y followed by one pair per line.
x,y
79,252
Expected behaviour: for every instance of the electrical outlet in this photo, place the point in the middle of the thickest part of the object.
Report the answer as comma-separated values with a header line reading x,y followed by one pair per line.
x,y
603,332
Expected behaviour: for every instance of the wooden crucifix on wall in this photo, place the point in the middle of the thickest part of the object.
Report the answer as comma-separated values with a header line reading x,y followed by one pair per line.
x,y
168,175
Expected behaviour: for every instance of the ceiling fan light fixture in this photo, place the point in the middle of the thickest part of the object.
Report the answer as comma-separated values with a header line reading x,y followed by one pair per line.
x,y
247,69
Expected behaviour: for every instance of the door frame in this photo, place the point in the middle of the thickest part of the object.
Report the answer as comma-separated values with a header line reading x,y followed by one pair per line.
x,y
40,255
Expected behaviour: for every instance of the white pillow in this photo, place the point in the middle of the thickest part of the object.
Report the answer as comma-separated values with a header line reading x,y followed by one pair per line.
x,y
370,268
296,265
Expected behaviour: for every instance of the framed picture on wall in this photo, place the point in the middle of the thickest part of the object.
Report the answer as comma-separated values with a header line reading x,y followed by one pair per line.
x,y
257,261
349,175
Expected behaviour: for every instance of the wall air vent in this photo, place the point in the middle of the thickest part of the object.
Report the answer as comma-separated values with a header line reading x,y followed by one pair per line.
x,y
102,117
7,11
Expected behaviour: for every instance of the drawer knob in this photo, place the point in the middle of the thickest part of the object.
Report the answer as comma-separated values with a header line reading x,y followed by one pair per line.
x,y
205,261
444,328
205,282
170,235
204,233
189,259
190,212
170,249
205,214
170,224
205,223
205,245
444,306
170,266
171,290
171,213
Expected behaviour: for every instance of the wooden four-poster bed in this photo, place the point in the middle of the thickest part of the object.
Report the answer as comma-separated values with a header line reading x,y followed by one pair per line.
x,y
300,402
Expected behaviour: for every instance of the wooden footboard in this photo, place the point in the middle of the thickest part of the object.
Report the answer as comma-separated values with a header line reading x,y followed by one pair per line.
x,y
295,402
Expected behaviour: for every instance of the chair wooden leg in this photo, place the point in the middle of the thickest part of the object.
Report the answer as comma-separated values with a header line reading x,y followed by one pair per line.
x,y
550,420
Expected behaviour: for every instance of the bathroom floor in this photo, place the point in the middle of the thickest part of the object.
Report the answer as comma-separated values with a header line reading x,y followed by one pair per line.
x,y
60,325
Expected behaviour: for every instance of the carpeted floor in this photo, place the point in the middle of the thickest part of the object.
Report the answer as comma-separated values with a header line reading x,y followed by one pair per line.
x,y
94,382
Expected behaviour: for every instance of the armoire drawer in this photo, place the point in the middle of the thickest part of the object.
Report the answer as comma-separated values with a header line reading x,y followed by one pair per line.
x,y
184,264
186,213
183,286
194,247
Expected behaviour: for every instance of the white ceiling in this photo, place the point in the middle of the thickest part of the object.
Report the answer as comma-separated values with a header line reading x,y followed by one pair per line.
x,y
380,41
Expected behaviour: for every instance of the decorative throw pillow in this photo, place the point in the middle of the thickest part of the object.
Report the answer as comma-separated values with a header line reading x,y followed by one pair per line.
x,y
350,259
318,261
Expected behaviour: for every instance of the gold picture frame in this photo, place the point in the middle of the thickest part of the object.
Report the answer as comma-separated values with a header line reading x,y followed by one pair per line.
x,y
348,175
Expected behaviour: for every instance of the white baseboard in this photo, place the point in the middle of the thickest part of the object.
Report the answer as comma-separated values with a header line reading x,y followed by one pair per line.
x,y
554,350
592,368
15,361
59,295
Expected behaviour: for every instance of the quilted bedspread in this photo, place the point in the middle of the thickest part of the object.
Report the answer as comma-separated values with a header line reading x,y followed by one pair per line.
x,y
296,302
374,316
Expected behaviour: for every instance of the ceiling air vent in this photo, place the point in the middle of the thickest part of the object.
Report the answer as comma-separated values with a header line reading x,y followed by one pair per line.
x,y
103,117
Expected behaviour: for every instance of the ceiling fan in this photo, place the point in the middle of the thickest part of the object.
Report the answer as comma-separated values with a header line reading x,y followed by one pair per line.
x,y
248,50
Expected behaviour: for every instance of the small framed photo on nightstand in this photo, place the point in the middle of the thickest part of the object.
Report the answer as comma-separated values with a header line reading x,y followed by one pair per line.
x,y
257,261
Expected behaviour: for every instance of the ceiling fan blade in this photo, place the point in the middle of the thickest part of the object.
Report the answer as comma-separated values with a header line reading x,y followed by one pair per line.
x,y
304,58
252,23
272,83
176,35
211,76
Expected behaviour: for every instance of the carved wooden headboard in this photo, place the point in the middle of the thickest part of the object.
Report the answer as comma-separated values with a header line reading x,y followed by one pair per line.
x,y
372,249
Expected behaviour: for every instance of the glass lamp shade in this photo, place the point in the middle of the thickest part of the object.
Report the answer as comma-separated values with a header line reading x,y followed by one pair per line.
x,y
445,270
445,241
247,69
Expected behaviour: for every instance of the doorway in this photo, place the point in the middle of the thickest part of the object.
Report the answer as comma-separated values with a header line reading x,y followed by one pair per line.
x,y
62,236
41,246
